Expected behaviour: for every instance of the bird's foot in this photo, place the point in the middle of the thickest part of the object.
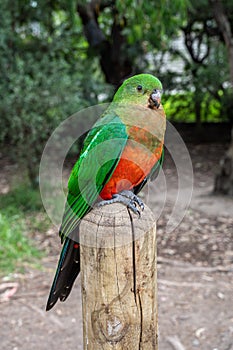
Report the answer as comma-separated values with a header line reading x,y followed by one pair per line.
x,y
127,198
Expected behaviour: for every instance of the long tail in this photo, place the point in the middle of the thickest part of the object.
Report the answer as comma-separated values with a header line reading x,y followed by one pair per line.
x,y
67,271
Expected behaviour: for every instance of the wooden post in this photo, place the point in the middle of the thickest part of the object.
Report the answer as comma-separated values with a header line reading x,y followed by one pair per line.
x,y
119,279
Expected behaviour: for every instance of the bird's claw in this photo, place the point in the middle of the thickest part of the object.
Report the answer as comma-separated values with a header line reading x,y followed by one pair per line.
x,y
132,206
127,198
134,201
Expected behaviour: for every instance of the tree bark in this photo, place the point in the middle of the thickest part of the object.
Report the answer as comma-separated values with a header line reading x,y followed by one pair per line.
x,y
224,177
224,25
119,279
114,63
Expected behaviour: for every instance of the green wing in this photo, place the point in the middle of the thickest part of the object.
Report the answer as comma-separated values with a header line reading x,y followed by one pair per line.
x,y
99,157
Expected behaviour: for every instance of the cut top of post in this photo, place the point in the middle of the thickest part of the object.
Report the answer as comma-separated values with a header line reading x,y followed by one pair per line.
x,y
111,226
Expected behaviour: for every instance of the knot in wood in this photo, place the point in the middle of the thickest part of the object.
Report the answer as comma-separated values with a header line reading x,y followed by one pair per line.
x,y
118,271
110,324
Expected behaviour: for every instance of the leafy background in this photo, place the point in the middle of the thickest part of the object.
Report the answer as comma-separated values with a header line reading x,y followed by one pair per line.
x,y
58,57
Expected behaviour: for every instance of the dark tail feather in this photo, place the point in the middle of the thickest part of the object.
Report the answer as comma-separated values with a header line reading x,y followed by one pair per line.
x,y
67,271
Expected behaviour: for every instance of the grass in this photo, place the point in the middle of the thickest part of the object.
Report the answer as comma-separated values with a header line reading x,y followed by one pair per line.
x,y
21,198
18,218
16,248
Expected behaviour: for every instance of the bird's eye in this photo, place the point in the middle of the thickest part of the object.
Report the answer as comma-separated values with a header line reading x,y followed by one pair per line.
x,y
139,87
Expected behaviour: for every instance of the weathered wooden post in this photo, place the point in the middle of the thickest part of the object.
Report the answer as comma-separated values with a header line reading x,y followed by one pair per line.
x,y
119,279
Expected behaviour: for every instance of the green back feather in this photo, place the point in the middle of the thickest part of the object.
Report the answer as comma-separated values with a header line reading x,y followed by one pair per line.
x,y
101,151
99,157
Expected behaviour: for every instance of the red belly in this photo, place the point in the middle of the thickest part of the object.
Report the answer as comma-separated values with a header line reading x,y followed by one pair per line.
x,y
135,164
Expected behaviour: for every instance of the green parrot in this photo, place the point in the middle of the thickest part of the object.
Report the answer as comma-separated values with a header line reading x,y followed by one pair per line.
x,y
119,155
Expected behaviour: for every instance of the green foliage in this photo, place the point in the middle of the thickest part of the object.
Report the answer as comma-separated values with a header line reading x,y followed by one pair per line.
x,y
201,89
180,108
50,71
21,214
16,249
45,79
151,21
131,29
21,198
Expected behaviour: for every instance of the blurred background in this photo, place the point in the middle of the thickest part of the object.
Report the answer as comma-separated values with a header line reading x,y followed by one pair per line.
x,y
58,57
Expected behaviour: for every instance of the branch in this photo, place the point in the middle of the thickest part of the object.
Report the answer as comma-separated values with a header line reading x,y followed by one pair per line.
x,y
190,40
225,28
222,21
92,31
114,63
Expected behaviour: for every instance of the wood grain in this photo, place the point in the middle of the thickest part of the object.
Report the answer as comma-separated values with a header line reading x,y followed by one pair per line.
x,y
119,279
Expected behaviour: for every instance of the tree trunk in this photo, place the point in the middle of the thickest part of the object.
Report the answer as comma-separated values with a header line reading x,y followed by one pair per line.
x,y
224,178
114,63
224,25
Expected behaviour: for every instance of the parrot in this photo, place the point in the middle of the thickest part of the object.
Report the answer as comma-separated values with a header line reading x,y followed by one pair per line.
x,y
119,155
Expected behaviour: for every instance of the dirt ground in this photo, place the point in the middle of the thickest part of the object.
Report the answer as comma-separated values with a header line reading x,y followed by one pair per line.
x,y
195,277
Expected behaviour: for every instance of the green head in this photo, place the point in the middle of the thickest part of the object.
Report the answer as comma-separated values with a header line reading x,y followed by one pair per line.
x,y
143,89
